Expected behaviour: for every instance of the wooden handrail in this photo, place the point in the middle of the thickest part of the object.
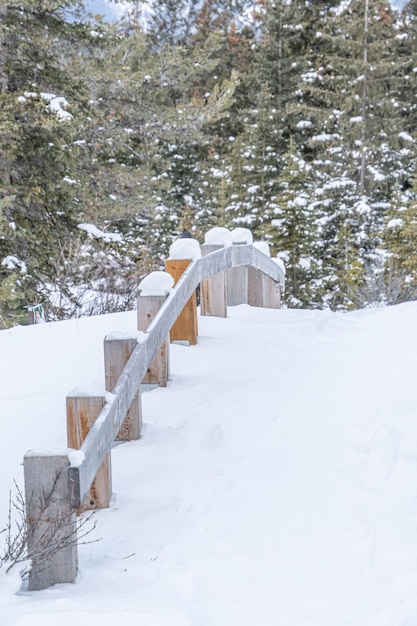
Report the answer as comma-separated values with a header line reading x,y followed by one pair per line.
x,y
99,440
84,465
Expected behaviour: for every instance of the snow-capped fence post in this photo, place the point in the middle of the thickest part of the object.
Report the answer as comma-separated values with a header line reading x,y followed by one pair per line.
x,y
181,254
262,290
237,277
185,328
82,411
51,520
213,291
117,352
56,484
148,306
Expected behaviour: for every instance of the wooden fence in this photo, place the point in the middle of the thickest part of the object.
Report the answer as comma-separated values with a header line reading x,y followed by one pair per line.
x,y
59,484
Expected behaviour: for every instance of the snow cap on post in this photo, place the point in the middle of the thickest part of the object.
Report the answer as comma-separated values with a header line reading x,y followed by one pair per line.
x,y
219,236
263,246
242,236
156,284
185,249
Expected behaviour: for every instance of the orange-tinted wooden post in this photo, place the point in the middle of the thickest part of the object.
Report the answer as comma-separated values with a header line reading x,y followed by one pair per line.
x,y
185,328
82,412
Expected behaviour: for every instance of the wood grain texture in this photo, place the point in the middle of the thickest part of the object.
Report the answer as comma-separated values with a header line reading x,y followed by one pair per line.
x,y
185,328
237,285
82,412
158,370
116,354
213,291
99,440
51,521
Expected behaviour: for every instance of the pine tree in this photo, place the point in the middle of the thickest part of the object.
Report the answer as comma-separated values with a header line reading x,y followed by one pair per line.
x,y
41,105
350,129
292,231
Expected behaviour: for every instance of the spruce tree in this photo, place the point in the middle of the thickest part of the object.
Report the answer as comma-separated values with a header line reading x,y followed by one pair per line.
x,y
41,107
292,232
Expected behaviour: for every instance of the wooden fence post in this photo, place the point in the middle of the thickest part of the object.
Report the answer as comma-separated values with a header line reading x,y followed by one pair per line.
x,y
237,285
186,327
158,371
213,291
237,277
255,287
82,412
116,354
51,521
262,290
272,293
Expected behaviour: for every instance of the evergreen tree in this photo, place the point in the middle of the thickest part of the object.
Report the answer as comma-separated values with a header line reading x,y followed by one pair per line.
x,y
399,237
292,232
41,105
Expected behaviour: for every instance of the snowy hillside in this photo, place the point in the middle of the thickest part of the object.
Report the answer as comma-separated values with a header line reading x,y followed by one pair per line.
x,y
275,483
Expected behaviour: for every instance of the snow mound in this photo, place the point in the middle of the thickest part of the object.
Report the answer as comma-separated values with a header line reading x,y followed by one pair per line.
x,y
119,618
218,236
263,246
185,249
156,284
242,235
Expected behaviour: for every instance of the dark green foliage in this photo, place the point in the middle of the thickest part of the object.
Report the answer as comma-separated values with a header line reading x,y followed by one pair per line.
x,y
296,119
41,104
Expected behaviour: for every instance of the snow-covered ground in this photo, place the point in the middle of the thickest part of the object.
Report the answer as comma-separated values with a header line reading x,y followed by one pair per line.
x,y
275,483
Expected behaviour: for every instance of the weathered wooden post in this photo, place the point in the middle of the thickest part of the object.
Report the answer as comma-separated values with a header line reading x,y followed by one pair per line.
x,y
117,351
237,277
213,291
181,253
262,290
82,411
51,521
153,291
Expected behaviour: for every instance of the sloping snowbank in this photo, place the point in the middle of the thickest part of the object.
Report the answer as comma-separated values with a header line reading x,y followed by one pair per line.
x,y
275,482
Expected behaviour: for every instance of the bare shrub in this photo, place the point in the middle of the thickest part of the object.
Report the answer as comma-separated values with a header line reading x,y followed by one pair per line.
x,y
57,533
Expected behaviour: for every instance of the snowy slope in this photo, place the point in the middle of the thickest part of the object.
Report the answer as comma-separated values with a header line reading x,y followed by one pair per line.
x,y
275,483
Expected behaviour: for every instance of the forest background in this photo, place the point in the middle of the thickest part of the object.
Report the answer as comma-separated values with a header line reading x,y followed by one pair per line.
x,y
297,120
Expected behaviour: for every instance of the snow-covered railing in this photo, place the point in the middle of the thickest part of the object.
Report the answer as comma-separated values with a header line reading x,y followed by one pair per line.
x,y
58,482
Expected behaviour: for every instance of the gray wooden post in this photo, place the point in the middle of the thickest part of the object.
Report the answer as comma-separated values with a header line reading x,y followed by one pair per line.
x,y
116,354
262,290
213,291
272,293
237,277
51,521
158,370
255,287
237,285
82,412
